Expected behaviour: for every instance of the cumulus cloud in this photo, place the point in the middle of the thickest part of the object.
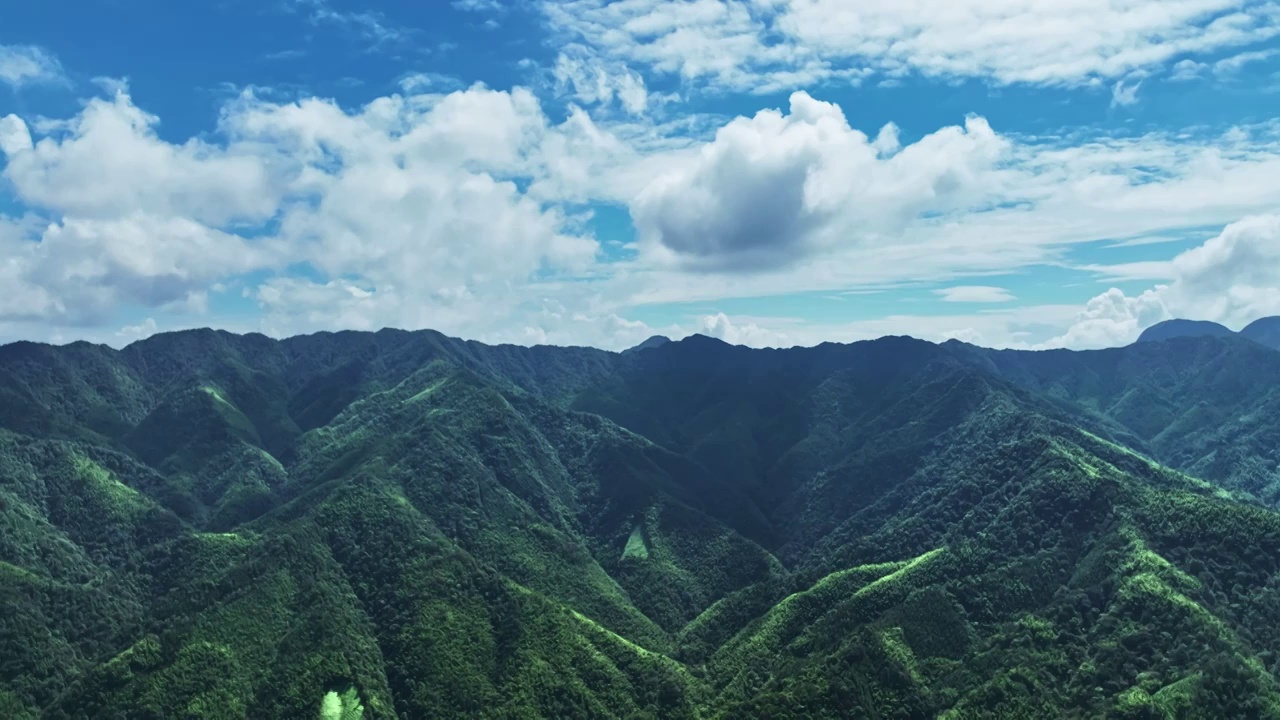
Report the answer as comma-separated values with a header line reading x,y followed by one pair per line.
x,y
1233,278
110,159
748,333
21,300
415,199
407,209
461,211
28,65
136,258
1112,319
132,218
14,135
773,188
975,294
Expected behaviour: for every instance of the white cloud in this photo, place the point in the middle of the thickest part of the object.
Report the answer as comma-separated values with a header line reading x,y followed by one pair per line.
x,y
1041,198
1143,270
765,45
95,264
479,5
458,211
722,42
415,219
408,206
133,219
589,79
422,82
1234,64
79,271
774,188
14,136
28,65
142,330
1233,278
109,161
720,326
373,26
888,140
1185,70
1124,94
975,294
966,335
422,176
21,300
1111,319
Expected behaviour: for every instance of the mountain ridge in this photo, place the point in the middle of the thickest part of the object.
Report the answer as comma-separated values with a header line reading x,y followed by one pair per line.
x,y
428,527
1264,331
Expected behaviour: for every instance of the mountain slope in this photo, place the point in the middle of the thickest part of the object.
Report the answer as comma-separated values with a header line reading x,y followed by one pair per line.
x,y
1265,331
1209,407
404,524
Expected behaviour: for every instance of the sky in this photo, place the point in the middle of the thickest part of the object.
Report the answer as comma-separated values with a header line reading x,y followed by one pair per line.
x,y
1011,173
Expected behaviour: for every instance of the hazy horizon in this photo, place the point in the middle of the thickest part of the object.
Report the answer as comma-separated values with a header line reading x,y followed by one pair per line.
x,y
587,173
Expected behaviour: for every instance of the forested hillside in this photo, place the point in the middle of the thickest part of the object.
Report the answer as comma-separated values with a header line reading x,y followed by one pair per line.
x,y
402,524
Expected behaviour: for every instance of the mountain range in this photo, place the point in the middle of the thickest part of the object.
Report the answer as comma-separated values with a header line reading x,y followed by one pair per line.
x,y
403,524
1265,331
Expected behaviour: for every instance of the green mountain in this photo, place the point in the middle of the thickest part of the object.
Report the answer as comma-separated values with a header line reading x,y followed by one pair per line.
x,y
402,524
1206,406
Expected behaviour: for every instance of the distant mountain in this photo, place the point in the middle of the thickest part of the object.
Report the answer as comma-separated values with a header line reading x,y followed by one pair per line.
x,y
1183,328
653,342
1265,332
403,524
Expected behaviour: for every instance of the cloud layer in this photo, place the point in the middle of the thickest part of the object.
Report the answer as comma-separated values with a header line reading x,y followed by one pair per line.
x,y
767,45
476,210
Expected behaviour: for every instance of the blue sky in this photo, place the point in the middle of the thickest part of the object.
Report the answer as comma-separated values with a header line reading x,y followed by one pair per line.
x,y
1015,173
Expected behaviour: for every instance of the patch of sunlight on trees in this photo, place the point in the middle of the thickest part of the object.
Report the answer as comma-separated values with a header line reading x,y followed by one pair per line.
x,y
341,707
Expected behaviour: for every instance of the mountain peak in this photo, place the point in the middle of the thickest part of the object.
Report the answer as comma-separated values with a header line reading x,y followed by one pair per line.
x,y
701,340
653,342
1170,329
1264,331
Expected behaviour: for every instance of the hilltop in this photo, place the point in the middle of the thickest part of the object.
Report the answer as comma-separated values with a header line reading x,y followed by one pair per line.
x,y
1265,331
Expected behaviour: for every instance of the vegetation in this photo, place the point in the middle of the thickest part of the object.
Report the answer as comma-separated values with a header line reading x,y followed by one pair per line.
x,y
406,525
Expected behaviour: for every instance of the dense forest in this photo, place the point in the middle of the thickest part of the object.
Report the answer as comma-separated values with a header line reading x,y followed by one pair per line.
x,y
402,524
